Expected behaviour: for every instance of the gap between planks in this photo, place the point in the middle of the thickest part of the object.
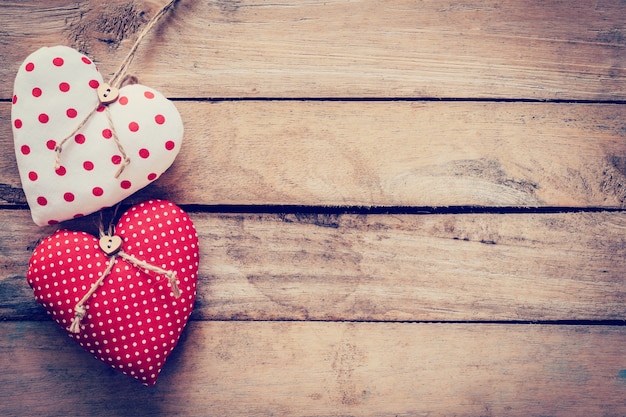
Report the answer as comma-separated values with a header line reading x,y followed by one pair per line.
x,y
422,268
323,369
340,48
395,154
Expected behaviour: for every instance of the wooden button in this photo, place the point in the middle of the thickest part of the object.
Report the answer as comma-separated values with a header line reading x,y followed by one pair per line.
x,y
107,94
110,244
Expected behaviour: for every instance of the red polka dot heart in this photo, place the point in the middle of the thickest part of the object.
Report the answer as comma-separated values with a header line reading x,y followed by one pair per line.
x,y
132,301
55,91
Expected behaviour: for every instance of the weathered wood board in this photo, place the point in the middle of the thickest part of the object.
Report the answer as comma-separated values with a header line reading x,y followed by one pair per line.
x,y
328,369
387,154
468,267
334,154
338,48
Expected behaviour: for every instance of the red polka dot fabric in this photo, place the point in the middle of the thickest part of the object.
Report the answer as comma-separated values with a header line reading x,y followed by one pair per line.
x,y
133,321
55,90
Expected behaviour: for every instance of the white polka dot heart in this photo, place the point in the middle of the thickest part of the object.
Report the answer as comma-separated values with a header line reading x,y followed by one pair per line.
x,y
117,149
125,298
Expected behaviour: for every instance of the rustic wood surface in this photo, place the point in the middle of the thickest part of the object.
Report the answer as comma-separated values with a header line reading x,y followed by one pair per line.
x,y
329,369
404,208
340,48
389,154
462,267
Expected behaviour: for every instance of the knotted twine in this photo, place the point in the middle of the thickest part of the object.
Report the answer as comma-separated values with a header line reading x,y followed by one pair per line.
x,y
120,77
80,310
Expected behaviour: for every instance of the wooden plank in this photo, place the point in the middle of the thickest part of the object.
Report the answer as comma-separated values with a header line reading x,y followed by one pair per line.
x,y
381,267
387,154
323,369
340,48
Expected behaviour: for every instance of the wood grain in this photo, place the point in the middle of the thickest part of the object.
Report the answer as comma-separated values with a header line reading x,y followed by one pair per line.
x,y
324,369
340,48
306,109
382,267
386,154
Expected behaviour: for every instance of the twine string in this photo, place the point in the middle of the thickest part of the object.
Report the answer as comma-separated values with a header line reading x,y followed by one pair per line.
x,y
171,275
59,147
125,158
110,229
120,77
121,71
80,309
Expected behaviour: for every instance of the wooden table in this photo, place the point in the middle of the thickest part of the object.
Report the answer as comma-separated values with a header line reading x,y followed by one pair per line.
x,y
405,208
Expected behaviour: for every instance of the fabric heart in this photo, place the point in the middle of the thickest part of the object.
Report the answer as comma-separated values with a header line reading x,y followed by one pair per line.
x,y
122,308
56,90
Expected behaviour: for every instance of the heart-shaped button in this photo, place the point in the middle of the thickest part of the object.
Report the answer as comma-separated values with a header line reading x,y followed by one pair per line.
x,y
107,94
110,245
56,92
132,320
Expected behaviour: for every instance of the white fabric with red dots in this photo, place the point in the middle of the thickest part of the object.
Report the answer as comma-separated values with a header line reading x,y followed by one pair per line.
x,y
55,90
132,320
